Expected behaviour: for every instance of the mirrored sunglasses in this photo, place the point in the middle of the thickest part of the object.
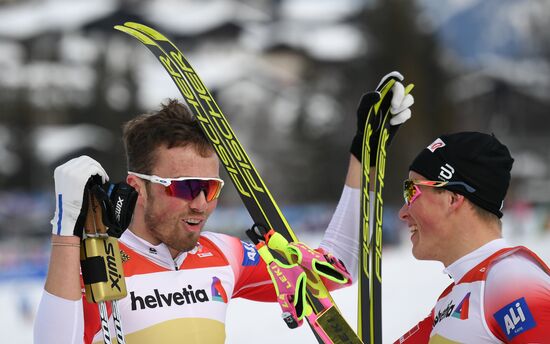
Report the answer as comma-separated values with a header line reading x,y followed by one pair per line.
x,y
187,188
411,191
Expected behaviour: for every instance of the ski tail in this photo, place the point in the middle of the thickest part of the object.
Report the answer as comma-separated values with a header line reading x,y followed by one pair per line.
x,y
328,324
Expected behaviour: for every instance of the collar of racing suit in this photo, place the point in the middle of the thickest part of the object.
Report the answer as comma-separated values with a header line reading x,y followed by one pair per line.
x,y
460,267
159,254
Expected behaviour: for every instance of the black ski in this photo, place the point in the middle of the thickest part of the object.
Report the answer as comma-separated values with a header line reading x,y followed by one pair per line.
x,y
369,308
328,324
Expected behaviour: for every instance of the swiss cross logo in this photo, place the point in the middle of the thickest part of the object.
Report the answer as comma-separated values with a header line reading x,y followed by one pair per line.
x,y
515,318
438,143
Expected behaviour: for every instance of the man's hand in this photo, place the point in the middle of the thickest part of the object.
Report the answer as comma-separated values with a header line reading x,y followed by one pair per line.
x,y
71,194
399,109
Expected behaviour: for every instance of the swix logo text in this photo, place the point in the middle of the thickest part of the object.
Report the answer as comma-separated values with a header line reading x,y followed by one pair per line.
x,y
112,270
160,300
118,208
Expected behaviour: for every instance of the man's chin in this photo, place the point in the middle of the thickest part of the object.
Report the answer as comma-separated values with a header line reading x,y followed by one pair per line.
x,y
190,243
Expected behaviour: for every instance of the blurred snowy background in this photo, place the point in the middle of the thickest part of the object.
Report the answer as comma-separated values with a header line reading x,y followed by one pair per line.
x,y
288,75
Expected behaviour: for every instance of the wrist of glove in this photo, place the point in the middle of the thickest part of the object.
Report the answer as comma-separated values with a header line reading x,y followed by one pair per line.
x,y
399,104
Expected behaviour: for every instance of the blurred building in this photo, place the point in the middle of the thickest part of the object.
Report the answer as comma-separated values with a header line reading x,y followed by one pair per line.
x,y
287,74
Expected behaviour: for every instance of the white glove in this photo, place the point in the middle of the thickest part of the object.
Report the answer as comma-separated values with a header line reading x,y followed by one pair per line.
x,y
400,102
70,181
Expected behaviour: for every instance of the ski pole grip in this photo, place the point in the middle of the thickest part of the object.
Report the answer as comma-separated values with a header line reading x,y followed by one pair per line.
x,y
100,259
102,270
94,226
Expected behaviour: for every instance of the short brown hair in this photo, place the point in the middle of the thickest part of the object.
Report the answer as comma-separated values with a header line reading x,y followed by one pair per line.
x,y
171,126
485,215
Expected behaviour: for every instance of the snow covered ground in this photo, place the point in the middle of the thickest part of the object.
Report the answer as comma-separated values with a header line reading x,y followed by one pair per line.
x,y
409,290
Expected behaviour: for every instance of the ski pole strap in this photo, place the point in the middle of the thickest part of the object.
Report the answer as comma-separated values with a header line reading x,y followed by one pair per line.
x,y
323,263
318,261
117,202
290,283
289,280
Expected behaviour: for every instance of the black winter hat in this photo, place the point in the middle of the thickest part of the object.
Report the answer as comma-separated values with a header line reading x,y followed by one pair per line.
x,y
474,158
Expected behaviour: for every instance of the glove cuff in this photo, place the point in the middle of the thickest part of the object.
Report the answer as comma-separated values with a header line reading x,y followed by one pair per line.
x,y
66,220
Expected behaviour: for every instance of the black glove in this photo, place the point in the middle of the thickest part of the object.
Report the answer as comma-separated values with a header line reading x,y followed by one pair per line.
x,y
397,100
366,102
117,202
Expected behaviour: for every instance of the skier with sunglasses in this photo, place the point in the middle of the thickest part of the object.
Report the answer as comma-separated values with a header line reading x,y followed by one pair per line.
x,y
453,206
179,278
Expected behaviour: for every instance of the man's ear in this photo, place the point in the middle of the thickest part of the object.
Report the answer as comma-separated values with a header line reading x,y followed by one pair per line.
x,y
456,200
139,185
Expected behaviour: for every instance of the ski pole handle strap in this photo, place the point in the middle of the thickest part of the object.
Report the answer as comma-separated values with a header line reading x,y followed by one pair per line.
x,y
317,261
289,280
123,197
255,234
323,264
117,202
290,283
